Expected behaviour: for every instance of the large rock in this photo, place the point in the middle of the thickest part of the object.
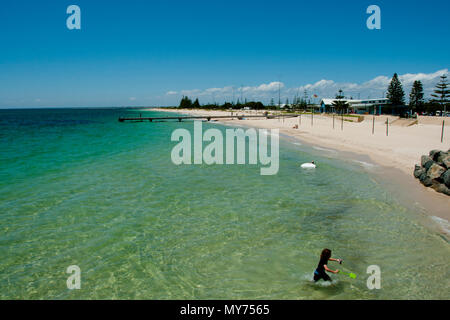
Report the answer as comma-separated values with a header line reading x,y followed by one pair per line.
x,y
444,160
425,180
446,190
435,171
440,156
434,154
446,178
442,189
418,170
426,162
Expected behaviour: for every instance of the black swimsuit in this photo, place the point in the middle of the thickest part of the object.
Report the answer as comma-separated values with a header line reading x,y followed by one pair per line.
x,y
320,273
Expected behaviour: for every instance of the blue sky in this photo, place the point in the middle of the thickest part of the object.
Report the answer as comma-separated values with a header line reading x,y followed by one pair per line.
x,y
151,52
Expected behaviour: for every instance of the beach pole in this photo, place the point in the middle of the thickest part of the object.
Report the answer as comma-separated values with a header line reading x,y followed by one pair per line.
x,y
333,120
442,132
387,127
373,125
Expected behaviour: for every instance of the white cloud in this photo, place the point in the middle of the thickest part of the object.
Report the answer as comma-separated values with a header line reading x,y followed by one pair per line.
x,y
375,87
425,78
132,98
324,88
271,87
195,92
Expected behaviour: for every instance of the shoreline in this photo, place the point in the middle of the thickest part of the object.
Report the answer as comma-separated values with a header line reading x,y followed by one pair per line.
x,y
393,168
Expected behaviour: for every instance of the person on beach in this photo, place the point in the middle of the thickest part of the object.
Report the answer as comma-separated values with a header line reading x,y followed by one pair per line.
x,y
320,273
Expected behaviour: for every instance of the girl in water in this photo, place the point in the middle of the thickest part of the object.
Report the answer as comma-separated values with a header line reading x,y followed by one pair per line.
x,y
320,273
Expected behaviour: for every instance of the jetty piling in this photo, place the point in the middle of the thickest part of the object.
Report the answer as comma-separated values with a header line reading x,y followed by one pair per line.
x,y
373,124
207,118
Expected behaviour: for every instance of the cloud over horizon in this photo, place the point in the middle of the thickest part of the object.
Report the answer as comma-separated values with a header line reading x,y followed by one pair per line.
x,y
324,88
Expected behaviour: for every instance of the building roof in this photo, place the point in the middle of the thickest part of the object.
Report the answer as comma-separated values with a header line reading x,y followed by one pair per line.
x,y
354,102
327,101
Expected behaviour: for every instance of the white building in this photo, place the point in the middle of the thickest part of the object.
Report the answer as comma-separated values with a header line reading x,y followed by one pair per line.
x,y
372,106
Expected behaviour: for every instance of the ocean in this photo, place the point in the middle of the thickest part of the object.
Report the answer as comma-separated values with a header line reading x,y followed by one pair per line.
x,y
80,188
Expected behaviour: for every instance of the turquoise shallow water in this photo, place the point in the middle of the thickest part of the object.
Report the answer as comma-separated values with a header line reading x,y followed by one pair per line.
x,y
79,188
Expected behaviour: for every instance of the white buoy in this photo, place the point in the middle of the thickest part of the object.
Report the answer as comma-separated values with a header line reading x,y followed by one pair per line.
x,y
308,165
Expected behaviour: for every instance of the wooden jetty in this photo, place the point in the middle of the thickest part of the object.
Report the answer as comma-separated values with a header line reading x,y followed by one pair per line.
x,y
206,118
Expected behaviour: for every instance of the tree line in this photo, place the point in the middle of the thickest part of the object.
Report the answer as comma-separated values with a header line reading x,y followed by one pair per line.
x,y
186,103
417,103
439,97
395,94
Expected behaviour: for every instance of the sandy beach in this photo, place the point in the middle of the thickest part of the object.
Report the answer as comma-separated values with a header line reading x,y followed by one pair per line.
x,y
397,152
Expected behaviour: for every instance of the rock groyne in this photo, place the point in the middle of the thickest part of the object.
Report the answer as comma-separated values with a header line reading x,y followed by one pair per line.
x,y
434,171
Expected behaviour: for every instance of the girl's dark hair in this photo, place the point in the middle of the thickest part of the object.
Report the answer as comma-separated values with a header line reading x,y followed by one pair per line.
x,y
326,254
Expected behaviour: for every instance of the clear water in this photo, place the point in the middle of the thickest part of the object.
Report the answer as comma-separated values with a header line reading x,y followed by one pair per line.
x,y
79,188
